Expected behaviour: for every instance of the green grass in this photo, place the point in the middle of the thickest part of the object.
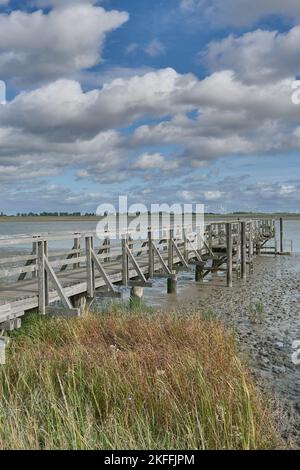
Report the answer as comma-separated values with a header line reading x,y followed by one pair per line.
x,y
129,381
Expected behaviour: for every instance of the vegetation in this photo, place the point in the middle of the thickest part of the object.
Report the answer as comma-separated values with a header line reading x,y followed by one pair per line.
x,y
129,381
257,312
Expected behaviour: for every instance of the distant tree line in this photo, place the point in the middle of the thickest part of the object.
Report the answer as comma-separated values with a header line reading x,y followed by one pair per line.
x,y
50,214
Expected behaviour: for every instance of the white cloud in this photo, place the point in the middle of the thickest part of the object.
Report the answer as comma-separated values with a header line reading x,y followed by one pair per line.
x,y
61,110
154,161
258,56
58,126
41,47
241,12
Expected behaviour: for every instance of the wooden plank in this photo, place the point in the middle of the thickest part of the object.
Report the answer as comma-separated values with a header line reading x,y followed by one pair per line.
x,y
229,253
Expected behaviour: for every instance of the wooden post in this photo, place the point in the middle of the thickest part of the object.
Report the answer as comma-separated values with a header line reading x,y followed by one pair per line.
x,y
172,283
229,253
136,296
89,267
125,273
281,235
243,250
185,245
250,253
42,280
150,255
209,236
34,252
170,250
77,255
107,244
199,273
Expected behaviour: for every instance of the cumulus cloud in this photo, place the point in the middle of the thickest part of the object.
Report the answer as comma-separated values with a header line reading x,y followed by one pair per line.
x,y
154,161
38,46
258,56
59,126
242,12
63,111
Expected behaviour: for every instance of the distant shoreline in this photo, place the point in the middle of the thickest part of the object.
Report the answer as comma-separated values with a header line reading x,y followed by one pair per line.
x,y
95,218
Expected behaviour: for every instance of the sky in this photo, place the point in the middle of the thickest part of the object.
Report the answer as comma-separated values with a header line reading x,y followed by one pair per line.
x,y
165,101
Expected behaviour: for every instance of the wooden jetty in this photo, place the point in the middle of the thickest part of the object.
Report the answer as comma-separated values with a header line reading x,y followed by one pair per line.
x,y
59,282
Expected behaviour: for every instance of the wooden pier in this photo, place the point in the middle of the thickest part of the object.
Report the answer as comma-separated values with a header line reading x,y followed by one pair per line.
x,y
59,282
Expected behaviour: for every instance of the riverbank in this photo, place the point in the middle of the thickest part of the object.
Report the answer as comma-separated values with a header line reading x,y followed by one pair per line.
x,y
130,380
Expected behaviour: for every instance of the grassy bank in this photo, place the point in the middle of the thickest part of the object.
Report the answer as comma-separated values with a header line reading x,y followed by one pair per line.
x,y
120,381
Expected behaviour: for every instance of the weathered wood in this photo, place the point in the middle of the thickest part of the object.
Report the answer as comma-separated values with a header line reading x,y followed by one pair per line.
x,y
41,279
125,274
180,255
172,283
229,253
281,235
150,255
243,250
170,250
89,267
58,287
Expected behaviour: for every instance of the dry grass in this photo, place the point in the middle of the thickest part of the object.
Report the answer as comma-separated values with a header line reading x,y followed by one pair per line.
x,y
120,381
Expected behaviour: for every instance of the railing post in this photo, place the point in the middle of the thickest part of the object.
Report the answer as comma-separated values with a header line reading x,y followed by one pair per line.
x,y
125,270
229,253
107,244
150,255
42,280
35,252
250,253
243,249
281,235
77,255
185,246
89,267
209,236
170,250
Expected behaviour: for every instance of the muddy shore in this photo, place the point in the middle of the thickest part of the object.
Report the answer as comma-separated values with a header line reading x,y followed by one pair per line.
x,y
264,311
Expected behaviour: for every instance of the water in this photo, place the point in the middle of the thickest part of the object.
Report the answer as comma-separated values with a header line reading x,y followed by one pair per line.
x,y
291,229
291,233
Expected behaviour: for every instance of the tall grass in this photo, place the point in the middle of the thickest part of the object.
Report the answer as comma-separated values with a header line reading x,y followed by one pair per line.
x,y
115,381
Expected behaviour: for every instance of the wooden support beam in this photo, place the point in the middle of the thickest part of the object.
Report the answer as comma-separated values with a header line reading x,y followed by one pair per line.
x,y
243,250
180,255
3,343
103,273
150,255
229,253
90,268
125,270
164,265
58,287
170,250
281,235
172,283
42,284
135,264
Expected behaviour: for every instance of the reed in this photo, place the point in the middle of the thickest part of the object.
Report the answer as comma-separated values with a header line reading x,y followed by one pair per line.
x,y
129,381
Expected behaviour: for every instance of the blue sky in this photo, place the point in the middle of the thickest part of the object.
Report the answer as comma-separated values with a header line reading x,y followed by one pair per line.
x,y
165,101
